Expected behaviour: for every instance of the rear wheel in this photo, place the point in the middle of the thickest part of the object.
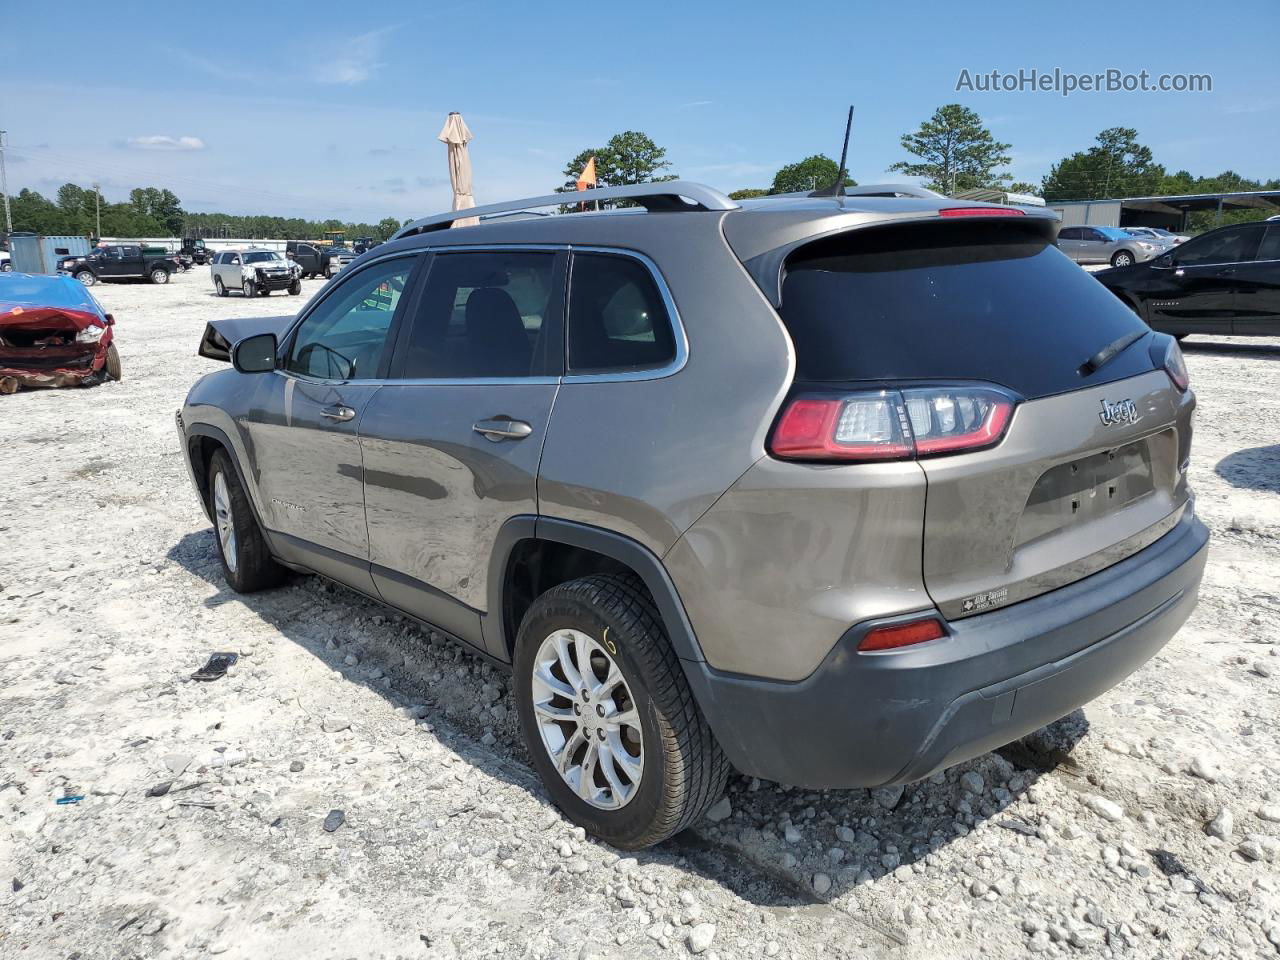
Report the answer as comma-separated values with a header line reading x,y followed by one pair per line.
x,y
1123,258
219,286
159,275
247,565
87,277
607,715
113,369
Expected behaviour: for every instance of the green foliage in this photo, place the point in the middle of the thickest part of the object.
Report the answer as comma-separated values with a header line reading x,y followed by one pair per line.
x,y
1022,186
1116,166
811,173
628,157
748,193
956,152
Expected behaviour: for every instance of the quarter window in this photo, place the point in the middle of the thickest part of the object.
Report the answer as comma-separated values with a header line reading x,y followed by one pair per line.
x,y
345,336
1270,248
486,314
617,318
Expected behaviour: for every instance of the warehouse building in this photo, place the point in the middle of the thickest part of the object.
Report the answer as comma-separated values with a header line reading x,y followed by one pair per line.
x,y
1167,212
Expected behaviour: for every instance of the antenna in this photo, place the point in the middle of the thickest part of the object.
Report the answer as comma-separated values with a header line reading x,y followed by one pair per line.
x,y
837,189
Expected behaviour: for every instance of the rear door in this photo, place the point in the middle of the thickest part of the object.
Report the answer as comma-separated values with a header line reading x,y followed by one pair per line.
x,y
451,443
1257,289
1202,295
1089,469
1069,241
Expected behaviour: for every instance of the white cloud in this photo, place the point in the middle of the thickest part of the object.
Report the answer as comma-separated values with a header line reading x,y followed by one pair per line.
x,y
160,142
357,62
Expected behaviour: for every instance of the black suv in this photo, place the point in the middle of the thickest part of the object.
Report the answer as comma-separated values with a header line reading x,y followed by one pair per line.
x,y
1224,282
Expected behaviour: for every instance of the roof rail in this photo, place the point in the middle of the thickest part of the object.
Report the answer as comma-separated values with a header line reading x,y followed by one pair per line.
x,y
670,195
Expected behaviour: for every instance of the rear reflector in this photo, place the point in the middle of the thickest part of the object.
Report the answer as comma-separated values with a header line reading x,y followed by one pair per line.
x,y
901,635
980,212
891,424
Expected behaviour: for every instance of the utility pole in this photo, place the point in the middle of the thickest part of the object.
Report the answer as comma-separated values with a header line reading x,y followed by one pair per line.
x,y
97,209
4,189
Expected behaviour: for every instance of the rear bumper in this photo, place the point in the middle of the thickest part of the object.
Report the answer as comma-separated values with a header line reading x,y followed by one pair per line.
x,y
866,720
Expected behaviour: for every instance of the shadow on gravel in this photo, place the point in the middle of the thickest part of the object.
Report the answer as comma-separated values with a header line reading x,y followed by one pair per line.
x,y
849,836
1255,469
1257,351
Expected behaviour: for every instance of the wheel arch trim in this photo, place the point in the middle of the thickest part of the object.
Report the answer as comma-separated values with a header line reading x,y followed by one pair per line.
x,y
615,546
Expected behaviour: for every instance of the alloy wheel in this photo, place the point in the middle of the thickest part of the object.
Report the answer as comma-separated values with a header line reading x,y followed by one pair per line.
x,y
587,719
224,520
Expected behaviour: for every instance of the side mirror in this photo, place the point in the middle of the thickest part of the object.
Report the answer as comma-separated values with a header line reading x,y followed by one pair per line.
x,y
256,354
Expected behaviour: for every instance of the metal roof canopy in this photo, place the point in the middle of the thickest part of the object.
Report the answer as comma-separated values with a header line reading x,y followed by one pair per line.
x,y
1182,203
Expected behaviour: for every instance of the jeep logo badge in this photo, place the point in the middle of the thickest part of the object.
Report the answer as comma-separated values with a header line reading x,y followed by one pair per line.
x,y
1114,414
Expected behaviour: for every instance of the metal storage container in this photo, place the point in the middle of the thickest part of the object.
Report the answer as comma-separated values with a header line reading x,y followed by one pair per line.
x,y
41,254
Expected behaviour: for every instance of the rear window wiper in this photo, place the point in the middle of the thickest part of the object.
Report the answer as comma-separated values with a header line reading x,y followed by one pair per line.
x,y
1110,352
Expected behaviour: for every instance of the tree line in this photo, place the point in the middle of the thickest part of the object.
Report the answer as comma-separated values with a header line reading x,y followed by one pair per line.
x,y
156,212
953,151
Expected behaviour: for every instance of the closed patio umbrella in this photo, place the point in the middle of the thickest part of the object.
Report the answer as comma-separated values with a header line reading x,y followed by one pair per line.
x,y
456,136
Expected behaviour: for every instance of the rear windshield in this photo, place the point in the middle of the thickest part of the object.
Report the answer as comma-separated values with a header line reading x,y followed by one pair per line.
x,y
974,301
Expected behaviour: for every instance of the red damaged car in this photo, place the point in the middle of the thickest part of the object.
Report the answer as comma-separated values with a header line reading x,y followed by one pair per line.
x,y
53,333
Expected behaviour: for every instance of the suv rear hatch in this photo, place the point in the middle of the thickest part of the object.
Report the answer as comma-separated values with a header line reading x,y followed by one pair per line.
x,y
1086,469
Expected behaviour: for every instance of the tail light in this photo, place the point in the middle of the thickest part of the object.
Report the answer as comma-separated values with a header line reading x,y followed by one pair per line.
x,y
1169,356
891,424
896,635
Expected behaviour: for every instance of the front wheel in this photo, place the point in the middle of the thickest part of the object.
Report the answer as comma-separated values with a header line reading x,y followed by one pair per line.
x,y
113,369
87,277
249,289
159,275
247,565
328,273
608,717
1122,259
295,288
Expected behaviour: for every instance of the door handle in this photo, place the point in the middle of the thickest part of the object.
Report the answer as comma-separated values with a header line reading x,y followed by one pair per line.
x,y
503,428
338,412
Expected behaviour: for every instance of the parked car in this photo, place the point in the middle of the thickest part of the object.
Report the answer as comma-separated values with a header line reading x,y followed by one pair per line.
x,y
1160,234
120,261
254,273
53,333
313,261
670,469
339,258
1224,282
1105,245
1146,233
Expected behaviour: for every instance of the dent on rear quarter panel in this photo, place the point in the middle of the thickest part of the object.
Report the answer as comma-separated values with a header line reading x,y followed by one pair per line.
x,y
793,555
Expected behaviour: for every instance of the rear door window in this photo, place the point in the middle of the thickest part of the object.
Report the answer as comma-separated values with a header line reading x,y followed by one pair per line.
x,y
976,301
1270,248
617,318
487,314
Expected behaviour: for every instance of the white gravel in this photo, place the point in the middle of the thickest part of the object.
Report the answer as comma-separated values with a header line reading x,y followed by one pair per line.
x,y
1104,835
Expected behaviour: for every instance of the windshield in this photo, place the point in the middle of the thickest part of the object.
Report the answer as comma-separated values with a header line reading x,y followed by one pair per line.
x,y
339,250
45,292
945,302
261,256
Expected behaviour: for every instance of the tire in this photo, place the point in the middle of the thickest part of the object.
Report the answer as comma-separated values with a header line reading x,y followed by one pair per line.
x,y
159,275
87,277
295,288
328,273
1122,258
219,286
112,368
681,769
6,266
249,289
247,565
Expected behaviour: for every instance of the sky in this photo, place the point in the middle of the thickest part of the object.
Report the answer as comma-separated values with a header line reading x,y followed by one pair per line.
x,y
331,109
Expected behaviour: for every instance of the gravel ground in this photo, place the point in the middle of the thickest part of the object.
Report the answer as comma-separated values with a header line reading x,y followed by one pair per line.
x,y
1146,825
